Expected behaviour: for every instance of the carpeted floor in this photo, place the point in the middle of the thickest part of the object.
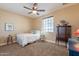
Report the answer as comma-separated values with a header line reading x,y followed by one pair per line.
x,y
34,49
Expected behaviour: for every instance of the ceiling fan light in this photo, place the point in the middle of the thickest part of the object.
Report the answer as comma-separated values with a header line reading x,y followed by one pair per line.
x,y
35,7
34,11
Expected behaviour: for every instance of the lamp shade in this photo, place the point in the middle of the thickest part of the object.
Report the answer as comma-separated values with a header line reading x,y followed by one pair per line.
x,y
77,32
76,46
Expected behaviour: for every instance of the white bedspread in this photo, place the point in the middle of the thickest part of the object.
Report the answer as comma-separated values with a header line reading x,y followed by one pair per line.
x,y
24,39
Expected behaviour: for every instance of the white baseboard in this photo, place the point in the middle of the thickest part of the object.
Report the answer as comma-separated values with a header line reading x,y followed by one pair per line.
x,y
2,44
50,41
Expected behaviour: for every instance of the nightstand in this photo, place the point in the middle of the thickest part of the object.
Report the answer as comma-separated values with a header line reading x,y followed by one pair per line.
x,y
9,39
42,37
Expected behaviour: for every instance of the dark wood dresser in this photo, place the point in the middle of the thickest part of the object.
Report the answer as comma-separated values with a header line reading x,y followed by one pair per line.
x,y
63,33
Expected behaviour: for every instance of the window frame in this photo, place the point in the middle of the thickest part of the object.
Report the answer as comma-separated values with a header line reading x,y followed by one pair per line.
x,y
48,28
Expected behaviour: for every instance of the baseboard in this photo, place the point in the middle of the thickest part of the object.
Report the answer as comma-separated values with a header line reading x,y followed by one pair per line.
x,y
50,41
2,44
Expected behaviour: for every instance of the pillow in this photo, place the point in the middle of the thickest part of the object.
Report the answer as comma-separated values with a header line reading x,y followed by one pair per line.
x,y
35,32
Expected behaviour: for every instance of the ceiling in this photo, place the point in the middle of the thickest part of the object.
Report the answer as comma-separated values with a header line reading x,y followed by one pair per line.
x,y
18,8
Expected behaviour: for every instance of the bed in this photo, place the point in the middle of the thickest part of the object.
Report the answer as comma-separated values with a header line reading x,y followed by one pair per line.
x,y
25,38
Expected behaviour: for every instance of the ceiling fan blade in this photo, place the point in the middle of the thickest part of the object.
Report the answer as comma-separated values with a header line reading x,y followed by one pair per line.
x,y
29,12
27,8
41,10
37,13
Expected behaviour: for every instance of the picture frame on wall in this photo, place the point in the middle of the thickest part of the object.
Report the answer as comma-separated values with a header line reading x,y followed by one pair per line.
x,y
9,27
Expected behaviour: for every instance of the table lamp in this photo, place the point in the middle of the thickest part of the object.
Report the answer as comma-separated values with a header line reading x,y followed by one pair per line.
x,y
76,45
76,33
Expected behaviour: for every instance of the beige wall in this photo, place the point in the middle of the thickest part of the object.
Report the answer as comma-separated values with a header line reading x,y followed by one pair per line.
x,y
24,24
21,24
70,14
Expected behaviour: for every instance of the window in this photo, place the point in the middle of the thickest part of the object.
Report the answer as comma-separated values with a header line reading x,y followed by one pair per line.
x,y
48,24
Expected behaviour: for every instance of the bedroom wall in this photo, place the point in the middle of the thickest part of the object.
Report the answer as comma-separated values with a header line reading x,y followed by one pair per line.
x,y
70,14
21,24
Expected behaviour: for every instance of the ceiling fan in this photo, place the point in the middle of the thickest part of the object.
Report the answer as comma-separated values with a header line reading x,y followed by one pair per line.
x,y
34,9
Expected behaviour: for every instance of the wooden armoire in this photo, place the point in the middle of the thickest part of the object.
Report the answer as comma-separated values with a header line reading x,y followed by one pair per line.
x,y
63,33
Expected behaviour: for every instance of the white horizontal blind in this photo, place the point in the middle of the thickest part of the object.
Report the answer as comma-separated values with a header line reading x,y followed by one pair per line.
x,y
48,24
